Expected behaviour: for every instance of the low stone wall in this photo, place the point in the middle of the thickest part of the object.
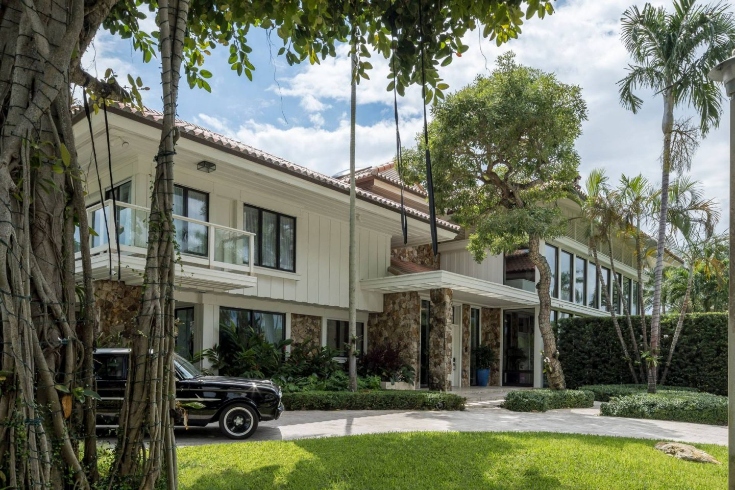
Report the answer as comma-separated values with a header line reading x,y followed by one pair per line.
x,y
398,324
491,328
306,328
117,307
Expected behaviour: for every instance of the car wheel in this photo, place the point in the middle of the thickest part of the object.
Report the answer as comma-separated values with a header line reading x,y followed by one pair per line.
x,y
238,421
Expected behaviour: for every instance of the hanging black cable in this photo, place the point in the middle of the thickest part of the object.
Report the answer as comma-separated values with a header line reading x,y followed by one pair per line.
x,y
112,190
429,180
99,180
399,158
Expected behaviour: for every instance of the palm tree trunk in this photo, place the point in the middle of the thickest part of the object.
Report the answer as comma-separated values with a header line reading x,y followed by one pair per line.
x,y
641,302
551,355
626,310
606,294
353,220
680,323
667,126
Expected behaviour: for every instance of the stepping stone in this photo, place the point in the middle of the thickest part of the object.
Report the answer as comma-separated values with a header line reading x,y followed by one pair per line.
x,y
685,452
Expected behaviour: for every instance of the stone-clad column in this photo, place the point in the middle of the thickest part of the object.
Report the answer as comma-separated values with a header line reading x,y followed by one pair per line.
x,y
440,340
491,326
466,345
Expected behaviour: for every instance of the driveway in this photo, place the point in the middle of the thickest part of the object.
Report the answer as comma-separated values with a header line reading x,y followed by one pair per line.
x,y
479,417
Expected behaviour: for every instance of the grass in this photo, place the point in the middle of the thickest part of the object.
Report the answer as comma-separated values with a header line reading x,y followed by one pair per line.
x,y
452,460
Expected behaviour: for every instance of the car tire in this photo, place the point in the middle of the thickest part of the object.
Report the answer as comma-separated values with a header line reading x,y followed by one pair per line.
x,y
238,421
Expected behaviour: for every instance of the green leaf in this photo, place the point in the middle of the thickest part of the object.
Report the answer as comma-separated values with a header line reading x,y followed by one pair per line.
x,y
92,232
57,169
65,155
92,394
62,388
194,405
205,73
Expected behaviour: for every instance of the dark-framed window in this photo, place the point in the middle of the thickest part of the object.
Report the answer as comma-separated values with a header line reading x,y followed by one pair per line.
x,y
565,275
123,194
275,238
606,277
592,296
627,281
616,293
551,254
634,310
271,325
192,237
580,280
338,336
185,335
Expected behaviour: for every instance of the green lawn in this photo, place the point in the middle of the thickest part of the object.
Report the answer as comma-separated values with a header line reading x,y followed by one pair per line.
x,y
427,460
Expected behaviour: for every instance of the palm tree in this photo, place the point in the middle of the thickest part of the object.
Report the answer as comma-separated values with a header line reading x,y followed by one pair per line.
x,y
600,212
352,300
693,219
672,53
635,198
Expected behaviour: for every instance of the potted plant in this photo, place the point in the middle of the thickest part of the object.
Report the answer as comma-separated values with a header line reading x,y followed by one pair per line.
x,y
484,359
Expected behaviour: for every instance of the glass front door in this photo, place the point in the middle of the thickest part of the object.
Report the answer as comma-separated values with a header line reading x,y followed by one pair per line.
x,y
518,328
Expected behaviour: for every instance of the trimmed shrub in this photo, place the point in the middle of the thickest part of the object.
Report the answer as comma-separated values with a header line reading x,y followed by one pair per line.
x,y
679,406
590,351
603,393
543,400
373,400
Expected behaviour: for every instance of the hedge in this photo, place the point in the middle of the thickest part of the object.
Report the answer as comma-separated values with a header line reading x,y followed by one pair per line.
x,y
543,400
603,393
373,400
590,351
680,406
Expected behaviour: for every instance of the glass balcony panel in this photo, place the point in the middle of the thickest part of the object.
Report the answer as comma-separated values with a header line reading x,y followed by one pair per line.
x,y
230,247
191,237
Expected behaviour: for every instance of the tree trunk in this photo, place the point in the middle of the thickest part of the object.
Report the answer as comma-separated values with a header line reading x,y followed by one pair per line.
x,y
353,217
641,301
606,294
43,337
680,323
151,392
626,310
667,126
552,365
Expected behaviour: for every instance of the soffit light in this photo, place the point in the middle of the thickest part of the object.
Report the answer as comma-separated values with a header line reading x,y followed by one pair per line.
x,y
206,166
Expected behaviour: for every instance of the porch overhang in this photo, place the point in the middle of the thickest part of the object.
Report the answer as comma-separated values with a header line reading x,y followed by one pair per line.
x,y
465,288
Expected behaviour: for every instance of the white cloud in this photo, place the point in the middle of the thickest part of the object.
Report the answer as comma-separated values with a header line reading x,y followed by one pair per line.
x,y
311,104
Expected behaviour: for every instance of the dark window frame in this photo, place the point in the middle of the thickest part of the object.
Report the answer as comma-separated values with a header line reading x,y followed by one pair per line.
x,y
340,324
583,299
257,257
185,202
554,288
570,289
250,316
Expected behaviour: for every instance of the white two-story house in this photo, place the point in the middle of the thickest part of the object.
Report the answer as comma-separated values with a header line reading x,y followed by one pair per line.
x,y
264,244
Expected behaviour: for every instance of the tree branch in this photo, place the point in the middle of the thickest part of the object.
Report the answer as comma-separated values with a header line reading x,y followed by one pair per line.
x,y
104,89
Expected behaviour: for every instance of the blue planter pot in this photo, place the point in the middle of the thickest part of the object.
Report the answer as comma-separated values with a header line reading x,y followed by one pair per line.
x,y
483,375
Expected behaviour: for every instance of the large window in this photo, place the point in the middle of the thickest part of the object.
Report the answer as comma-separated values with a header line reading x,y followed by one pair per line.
x,y
271,325
592,286
565,275
185,335
123,194
551,258
616,292
580,269
275,238
191,237
634,298
605,277
338,336
626,293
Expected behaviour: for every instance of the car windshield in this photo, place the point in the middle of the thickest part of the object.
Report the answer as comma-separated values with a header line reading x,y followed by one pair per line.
x,y
187,369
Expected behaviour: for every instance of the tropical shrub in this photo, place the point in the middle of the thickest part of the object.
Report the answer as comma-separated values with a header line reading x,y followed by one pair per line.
x,y
680,406
373,400
603,393
543,400
591,354
386,361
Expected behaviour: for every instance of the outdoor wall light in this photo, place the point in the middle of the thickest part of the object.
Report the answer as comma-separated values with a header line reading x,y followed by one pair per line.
x,y
206,166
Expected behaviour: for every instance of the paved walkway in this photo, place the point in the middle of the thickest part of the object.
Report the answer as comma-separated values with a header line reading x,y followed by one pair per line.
x,y
482,415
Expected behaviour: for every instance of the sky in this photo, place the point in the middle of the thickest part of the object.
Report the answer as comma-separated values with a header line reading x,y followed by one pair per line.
x,y
301,113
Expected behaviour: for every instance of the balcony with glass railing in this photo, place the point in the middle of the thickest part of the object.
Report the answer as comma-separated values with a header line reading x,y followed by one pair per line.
x,y
209,256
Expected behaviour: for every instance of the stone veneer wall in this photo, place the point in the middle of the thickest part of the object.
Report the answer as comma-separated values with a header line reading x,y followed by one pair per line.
x,y
306,328
117,307
491,328
422,255
440,340
466,345
398,324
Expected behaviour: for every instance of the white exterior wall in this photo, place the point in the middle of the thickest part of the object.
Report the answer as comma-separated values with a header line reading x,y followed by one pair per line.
x,y
455,258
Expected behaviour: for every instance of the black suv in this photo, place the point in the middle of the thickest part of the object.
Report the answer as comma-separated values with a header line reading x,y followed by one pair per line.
x,y
238,403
